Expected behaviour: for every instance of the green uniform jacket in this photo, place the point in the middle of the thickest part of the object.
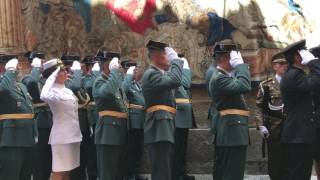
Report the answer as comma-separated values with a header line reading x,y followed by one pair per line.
x,y
227,93
88,81
109,95
34,84
75,84
14,98
184,115
134,94
158,89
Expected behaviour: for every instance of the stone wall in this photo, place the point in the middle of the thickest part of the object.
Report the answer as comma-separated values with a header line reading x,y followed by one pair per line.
x,y
191,26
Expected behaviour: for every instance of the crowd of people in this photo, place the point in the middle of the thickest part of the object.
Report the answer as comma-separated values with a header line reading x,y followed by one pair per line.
x,y
78,119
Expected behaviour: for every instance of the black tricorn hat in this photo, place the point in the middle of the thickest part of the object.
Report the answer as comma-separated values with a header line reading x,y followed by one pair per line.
x,y
33,54
315,51
294,47
88,60
127,63
4,58
68,59
226,46
104,56
156,46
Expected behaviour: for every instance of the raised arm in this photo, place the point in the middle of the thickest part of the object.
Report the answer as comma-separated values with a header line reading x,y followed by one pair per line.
x,y
46,93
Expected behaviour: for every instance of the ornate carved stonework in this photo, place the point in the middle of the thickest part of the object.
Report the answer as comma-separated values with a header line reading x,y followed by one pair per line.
x,y
11,32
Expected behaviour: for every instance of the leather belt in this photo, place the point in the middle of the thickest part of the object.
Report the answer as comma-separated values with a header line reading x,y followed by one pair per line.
x,y
40,105
135,106
161,107
16,116
183,101
234,112
116,114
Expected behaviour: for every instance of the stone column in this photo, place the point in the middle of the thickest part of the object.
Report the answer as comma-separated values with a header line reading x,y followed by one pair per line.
x,y
11,31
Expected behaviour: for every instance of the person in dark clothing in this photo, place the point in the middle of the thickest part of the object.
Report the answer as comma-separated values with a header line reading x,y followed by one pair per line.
x,y
297,88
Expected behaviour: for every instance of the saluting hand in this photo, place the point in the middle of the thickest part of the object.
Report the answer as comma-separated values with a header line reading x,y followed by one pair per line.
x,y
36,63
171,53
131,70
235,58
12,65
96,67
75,66
306,56
114,64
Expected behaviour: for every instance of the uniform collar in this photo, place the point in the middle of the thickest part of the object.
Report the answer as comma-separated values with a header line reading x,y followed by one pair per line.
x,y
224,71
159,69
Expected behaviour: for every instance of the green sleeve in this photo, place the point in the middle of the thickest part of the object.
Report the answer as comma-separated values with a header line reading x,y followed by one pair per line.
x,y
96,73
75,83
36,74
7,82
234,85
109,86
186,78
126,83
169,80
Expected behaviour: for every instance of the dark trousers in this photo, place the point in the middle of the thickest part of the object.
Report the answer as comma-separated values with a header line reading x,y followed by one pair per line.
x,y
79,173
16,163
92,157
135,151
229,163
161,160
111,163
180,152
42,156
298,161
275,159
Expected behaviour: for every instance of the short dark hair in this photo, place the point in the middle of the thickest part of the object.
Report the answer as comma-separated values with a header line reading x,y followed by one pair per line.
x,y
218,57
290,57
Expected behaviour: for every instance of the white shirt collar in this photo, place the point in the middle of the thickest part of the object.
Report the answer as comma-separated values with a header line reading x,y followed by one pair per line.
x,y
161,70
278,78
57,85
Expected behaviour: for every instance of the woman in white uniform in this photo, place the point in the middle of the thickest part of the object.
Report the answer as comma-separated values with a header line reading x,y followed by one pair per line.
x,y
65,136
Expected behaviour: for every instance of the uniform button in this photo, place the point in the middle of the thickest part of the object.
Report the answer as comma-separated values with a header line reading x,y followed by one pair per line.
x,y
312,120
114,123
239,122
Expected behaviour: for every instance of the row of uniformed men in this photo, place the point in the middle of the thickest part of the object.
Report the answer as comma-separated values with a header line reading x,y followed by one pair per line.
x,y
112,112
289,102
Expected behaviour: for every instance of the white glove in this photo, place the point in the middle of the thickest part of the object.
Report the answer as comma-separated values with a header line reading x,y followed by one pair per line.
x,y
96,67
264,131
36,63
185,63
130,70
55,73
171,53
114,64
12,64
306,56
235,58
75,66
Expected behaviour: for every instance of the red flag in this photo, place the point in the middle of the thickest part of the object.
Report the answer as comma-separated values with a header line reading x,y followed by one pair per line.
x,y
127,11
